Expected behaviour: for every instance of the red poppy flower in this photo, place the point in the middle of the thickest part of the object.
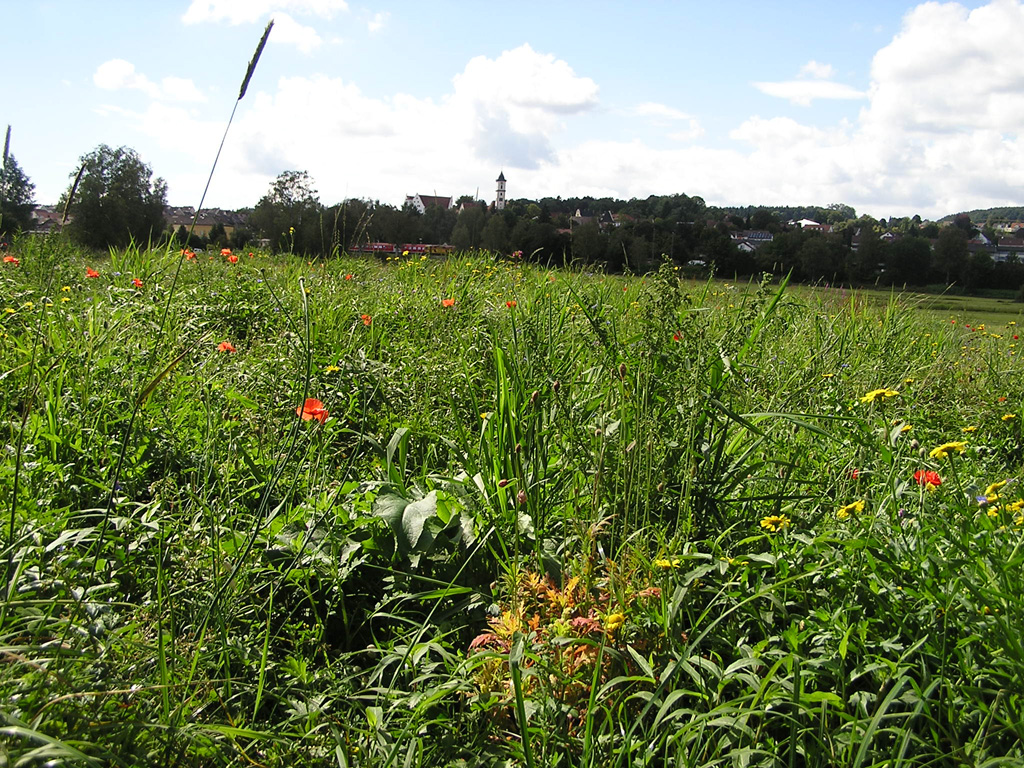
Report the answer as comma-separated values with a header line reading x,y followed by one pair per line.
x,y
11,260
366,319
312,409
189,255
232,258
676,337
855,474
136,282
226,346
927,477
225,251
510,304
90,272
348,277
447,302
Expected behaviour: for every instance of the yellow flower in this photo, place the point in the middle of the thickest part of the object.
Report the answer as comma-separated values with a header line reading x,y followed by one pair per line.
x,y
968,430
666,563
908,381
992,492
875,394
66,288
844,512
29,305
943,450
613,621
8,311
1008,416
331,369
775,523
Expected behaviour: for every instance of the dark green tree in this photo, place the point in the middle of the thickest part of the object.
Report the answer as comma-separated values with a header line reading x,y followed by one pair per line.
x,y
951,254
909,261
469,229
495,235
218,236
16,198
289,215
117,200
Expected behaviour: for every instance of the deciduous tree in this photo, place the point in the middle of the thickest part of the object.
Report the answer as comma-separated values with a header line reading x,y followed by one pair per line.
x,y
117,201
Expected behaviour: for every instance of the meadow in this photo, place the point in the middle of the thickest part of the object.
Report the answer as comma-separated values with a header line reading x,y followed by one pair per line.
x,y
258,510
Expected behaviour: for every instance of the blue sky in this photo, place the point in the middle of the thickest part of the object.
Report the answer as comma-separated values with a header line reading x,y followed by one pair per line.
x,y
894,108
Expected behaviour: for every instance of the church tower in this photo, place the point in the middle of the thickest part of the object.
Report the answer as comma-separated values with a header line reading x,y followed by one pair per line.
x,y
499,199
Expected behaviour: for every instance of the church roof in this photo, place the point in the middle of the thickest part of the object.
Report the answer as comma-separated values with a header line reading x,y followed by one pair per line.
x,y
501,176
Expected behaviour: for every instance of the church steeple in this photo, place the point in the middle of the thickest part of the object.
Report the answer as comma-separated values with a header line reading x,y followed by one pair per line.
x,y
499,199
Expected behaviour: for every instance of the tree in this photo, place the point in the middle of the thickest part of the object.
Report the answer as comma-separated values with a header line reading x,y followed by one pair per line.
x,y
117,202
495,235
908,262
951,253
16,198
289,214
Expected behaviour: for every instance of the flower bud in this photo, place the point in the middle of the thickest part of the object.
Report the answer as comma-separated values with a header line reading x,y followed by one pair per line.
x,y
521,497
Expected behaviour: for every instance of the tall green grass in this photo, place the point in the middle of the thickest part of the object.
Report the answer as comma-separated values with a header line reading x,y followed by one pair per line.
x,y
564,519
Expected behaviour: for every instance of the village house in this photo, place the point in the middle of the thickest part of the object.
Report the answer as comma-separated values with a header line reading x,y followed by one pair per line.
x,y
422,202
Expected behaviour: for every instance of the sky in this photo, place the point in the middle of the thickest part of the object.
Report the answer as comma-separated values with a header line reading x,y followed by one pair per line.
x,y
894,108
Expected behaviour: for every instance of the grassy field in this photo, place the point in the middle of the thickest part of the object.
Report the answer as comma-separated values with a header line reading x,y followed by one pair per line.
x,y
262,511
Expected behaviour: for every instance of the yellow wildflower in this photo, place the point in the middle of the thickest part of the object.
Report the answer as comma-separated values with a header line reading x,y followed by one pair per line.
x,y
992,492
876,394
613,621
1008,416
666,563
774,523
943,450
844,512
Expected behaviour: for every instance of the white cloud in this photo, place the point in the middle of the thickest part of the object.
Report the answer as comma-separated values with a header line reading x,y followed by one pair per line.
x,y
118,74
517,101
248,11
287,31
817,70
940,131
379,20
662,114
803,92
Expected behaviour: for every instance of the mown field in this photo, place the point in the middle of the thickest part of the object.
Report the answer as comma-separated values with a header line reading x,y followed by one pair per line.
x,y
262,511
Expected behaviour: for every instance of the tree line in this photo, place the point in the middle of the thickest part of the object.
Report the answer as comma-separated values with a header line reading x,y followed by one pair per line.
x,y
114,200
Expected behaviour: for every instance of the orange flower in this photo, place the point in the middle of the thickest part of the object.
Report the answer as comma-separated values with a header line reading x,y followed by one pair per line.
x,y
136,282
676,337
225,251
447,302
510,304
189,255
312,409
232,258
11,260
366,319
90,272
252,255
348,277
226,346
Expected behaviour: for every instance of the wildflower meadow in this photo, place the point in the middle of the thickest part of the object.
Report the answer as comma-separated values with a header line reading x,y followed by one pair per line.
x,y
263,511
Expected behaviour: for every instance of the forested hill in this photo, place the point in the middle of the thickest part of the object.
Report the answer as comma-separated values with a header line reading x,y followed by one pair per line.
x,y
982,216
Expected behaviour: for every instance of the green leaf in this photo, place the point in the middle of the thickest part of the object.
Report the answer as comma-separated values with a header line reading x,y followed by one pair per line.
x,y
415,517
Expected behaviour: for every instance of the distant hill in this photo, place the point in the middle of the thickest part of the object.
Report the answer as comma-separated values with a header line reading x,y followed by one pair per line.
x,y
983,215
